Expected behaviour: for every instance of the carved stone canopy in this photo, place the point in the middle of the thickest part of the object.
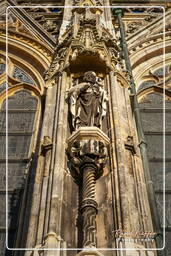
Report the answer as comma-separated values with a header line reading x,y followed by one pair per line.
x,y
86,45
85,59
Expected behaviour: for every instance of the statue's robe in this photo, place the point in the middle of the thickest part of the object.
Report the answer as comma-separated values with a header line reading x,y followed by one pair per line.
x,y
87,104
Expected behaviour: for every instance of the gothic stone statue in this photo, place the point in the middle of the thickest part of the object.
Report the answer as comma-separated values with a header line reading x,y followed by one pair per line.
x,y
87,102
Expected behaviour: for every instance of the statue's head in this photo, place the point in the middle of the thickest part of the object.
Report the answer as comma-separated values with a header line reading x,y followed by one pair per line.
x,y
90,76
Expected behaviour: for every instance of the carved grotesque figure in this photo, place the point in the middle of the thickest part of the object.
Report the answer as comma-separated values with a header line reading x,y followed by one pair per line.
x,y
87,102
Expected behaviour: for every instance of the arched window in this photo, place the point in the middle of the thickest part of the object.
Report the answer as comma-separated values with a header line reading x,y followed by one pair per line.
x,y
160,72
145,85
23,109
2,87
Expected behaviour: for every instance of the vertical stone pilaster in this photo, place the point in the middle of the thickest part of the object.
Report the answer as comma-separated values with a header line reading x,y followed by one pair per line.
x,y
55,211
41,171
130,190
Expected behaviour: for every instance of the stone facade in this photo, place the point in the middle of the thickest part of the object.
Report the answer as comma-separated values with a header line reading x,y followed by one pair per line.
x,y
86,90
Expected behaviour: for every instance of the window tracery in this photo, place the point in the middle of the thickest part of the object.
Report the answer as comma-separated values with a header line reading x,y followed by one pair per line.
x,y
156,78
146,84
3,87
22,109
2,68
21,75
160,72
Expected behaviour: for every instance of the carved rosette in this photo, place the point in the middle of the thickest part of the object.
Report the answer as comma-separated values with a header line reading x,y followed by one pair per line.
x,y
87,154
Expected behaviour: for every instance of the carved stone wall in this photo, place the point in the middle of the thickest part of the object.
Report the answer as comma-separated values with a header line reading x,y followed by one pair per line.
x,y
84,199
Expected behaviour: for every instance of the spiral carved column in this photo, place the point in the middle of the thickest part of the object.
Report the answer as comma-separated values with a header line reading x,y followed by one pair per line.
x,y
87,152
88,182
89,207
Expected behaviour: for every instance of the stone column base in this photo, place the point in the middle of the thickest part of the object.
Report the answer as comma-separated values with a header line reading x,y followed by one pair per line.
x,y
89,252
51,241
138,250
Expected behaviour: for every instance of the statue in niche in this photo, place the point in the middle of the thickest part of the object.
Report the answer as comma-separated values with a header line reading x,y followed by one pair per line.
x,y
87,102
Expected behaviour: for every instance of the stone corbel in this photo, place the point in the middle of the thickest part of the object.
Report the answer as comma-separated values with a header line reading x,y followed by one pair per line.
x,y
51,241
46,145
129,144
121,78
38,250
89,252
50,83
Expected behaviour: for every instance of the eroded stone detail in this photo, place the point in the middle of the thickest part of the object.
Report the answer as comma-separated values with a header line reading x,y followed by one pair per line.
x,y
46,145
129,144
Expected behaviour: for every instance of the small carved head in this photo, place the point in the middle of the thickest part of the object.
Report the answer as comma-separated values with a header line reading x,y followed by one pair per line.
x,y
90,76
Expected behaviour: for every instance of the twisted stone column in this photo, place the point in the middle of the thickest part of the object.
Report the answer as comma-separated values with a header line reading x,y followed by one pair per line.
x,y
89,207
87,152
88,182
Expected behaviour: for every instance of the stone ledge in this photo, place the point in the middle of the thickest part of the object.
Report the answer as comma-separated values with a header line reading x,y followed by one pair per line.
x,y
89,252
88,133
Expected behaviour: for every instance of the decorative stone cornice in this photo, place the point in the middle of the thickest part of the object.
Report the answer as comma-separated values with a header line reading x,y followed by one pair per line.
x,y
151,32
31,23
32,42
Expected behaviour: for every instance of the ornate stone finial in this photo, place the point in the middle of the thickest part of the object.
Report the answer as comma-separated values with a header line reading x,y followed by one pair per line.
x,y
87,102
